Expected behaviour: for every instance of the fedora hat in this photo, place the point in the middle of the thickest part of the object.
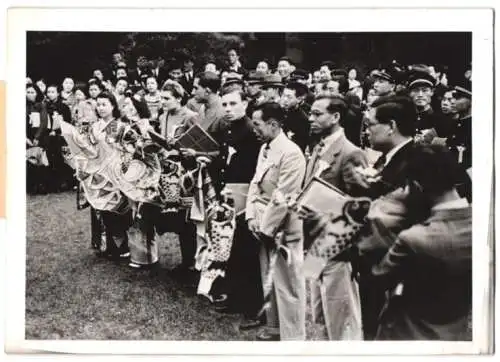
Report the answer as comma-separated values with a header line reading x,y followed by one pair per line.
x,y
272,81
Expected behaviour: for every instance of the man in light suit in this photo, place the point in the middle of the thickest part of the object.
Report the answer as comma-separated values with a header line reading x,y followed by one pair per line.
x,y
335,296
279,172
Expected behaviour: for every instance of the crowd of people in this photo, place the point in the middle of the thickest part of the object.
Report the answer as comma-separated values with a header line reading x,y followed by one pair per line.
x,y
399,138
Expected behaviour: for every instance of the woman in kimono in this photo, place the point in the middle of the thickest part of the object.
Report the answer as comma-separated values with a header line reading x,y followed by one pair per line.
x,y
116,219
36,139
61,173
121,86
142,238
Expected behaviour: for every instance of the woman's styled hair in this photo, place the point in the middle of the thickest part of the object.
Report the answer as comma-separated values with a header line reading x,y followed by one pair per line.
x,y
39,94
95,82
82,88
152,76
111,98
176,89
121,78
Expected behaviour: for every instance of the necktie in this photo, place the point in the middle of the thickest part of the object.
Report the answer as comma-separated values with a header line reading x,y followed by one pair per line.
x,y
314,158
265,151
380,163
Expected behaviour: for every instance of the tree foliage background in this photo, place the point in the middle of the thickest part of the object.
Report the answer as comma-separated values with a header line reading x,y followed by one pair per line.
x,y
55,55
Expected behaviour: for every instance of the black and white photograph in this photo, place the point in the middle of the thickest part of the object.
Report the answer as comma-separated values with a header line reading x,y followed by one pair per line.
x,y
258,186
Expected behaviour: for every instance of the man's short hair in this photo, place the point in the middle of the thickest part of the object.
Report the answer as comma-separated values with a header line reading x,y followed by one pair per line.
x,y
174,65
209,80
286,59
271,110
336,104
399,109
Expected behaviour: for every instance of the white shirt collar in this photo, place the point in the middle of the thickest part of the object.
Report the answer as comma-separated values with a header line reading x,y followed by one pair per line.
x,y
392,152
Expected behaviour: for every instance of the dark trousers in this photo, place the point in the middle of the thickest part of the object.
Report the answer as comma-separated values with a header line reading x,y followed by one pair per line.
x,y
60,173
187,240
372,295
96,228
36,178
177,222
116,226
243,277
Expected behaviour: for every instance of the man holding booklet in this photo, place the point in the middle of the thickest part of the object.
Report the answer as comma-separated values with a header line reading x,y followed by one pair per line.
x,y
335,295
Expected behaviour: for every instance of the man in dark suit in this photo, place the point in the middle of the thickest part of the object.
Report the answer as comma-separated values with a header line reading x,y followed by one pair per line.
x,y
240,149
253,90
335,297
390,128
296,123
158,71
432,259
285,68
142,67
459,140
188,75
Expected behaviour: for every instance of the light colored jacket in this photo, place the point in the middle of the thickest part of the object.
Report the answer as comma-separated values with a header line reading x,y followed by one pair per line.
x,y
278,175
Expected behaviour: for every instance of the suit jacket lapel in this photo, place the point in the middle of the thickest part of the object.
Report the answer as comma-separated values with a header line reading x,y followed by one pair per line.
x,y
327,157
394,170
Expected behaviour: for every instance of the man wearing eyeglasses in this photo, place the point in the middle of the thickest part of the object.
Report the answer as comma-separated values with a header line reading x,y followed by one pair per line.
x,y
335,295
390,129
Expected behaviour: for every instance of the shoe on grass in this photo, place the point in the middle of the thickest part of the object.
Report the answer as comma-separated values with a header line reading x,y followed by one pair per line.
x,y
266,336
250,323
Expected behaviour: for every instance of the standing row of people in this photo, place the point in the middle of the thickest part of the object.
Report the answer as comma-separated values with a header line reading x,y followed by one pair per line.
x,y
276,134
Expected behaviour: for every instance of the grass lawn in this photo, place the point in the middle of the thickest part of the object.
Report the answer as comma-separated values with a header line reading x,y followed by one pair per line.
x,y
73,294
